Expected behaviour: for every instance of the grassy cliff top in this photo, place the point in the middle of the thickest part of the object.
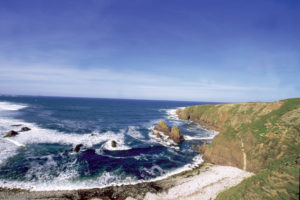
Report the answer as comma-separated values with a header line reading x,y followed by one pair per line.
x,y
260,137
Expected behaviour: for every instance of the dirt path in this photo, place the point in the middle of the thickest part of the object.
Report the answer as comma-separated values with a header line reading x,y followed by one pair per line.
x,y
244,155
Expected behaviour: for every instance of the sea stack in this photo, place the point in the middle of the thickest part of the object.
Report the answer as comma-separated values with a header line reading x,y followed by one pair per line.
x,y
174,134
163,127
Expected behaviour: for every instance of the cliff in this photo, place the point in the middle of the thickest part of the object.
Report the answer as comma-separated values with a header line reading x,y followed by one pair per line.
x,y
263,138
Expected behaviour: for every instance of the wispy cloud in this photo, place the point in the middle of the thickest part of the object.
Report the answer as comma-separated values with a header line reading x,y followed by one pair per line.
x,y
46,73
104,82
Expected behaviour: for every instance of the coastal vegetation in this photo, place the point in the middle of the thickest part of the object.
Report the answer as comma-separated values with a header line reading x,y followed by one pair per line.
x,y
263,138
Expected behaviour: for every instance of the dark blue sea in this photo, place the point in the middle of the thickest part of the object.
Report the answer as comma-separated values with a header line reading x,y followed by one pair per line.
x,y
43,158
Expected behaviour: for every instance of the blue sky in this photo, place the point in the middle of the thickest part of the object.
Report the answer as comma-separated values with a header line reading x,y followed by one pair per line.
x,y
204,50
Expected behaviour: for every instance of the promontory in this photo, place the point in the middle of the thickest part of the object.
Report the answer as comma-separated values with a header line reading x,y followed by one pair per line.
x,y
263,138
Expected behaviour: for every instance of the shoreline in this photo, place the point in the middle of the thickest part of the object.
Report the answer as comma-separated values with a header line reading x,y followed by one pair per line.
x,y
204,181
201,180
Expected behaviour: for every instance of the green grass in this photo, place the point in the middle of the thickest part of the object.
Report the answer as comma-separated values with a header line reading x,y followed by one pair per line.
x,y
230,133
287,188
249,111
268,183
278,177
203,108
234,109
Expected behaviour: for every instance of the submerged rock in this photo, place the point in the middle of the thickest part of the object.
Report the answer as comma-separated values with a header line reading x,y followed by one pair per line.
x,y
174,134
77,147
15,125
113,144
11,133
23,129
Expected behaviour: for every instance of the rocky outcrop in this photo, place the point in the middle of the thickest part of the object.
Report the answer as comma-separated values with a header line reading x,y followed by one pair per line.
x,y
78,147
174,134
263,138
113,144
23,129
163,127
201,149
11,133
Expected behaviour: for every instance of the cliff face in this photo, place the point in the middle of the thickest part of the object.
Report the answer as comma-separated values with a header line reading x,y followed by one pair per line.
x,y
259,137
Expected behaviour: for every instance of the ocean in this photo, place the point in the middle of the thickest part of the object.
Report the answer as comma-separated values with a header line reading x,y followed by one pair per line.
x,y
44,157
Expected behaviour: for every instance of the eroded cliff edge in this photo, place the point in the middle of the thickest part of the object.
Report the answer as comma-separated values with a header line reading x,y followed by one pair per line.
x,y
263,138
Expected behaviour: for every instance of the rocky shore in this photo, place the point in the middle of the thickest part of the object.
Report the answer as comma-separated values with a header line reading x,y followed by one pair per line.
x,y
260,138
199,181
203,182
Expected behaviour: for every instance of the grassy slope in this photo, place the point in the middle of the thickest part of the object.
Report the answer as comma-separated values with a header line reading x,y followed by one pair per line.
x,y
270,133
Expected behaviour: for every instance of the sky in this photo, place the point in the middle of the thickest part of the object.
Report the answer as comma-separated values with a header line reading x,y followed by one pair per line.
x,y
194,50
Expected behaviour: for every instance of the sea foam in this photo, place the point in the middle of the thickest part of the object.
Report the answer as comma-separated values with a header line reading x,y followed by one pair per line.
x,y
68,178
11,106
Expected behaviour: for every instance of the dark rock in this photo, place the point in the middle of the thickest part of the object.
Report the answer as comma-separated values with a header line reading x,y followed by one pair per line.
x,y
23,129
77,147
11,133
113,143
16,125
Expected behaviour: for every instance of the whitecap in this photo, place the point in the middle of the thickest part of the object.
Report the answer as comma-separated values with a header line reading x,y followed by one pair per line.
x,y
120,146
15,142
9,146
155,170
171,113
134,133
164,140
41,135
67,181
11,106
7,150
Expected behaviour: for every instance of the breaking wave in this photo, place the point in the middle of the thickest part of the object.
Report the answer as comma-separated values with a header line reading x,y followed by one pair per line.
x,y
60,168
11,106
